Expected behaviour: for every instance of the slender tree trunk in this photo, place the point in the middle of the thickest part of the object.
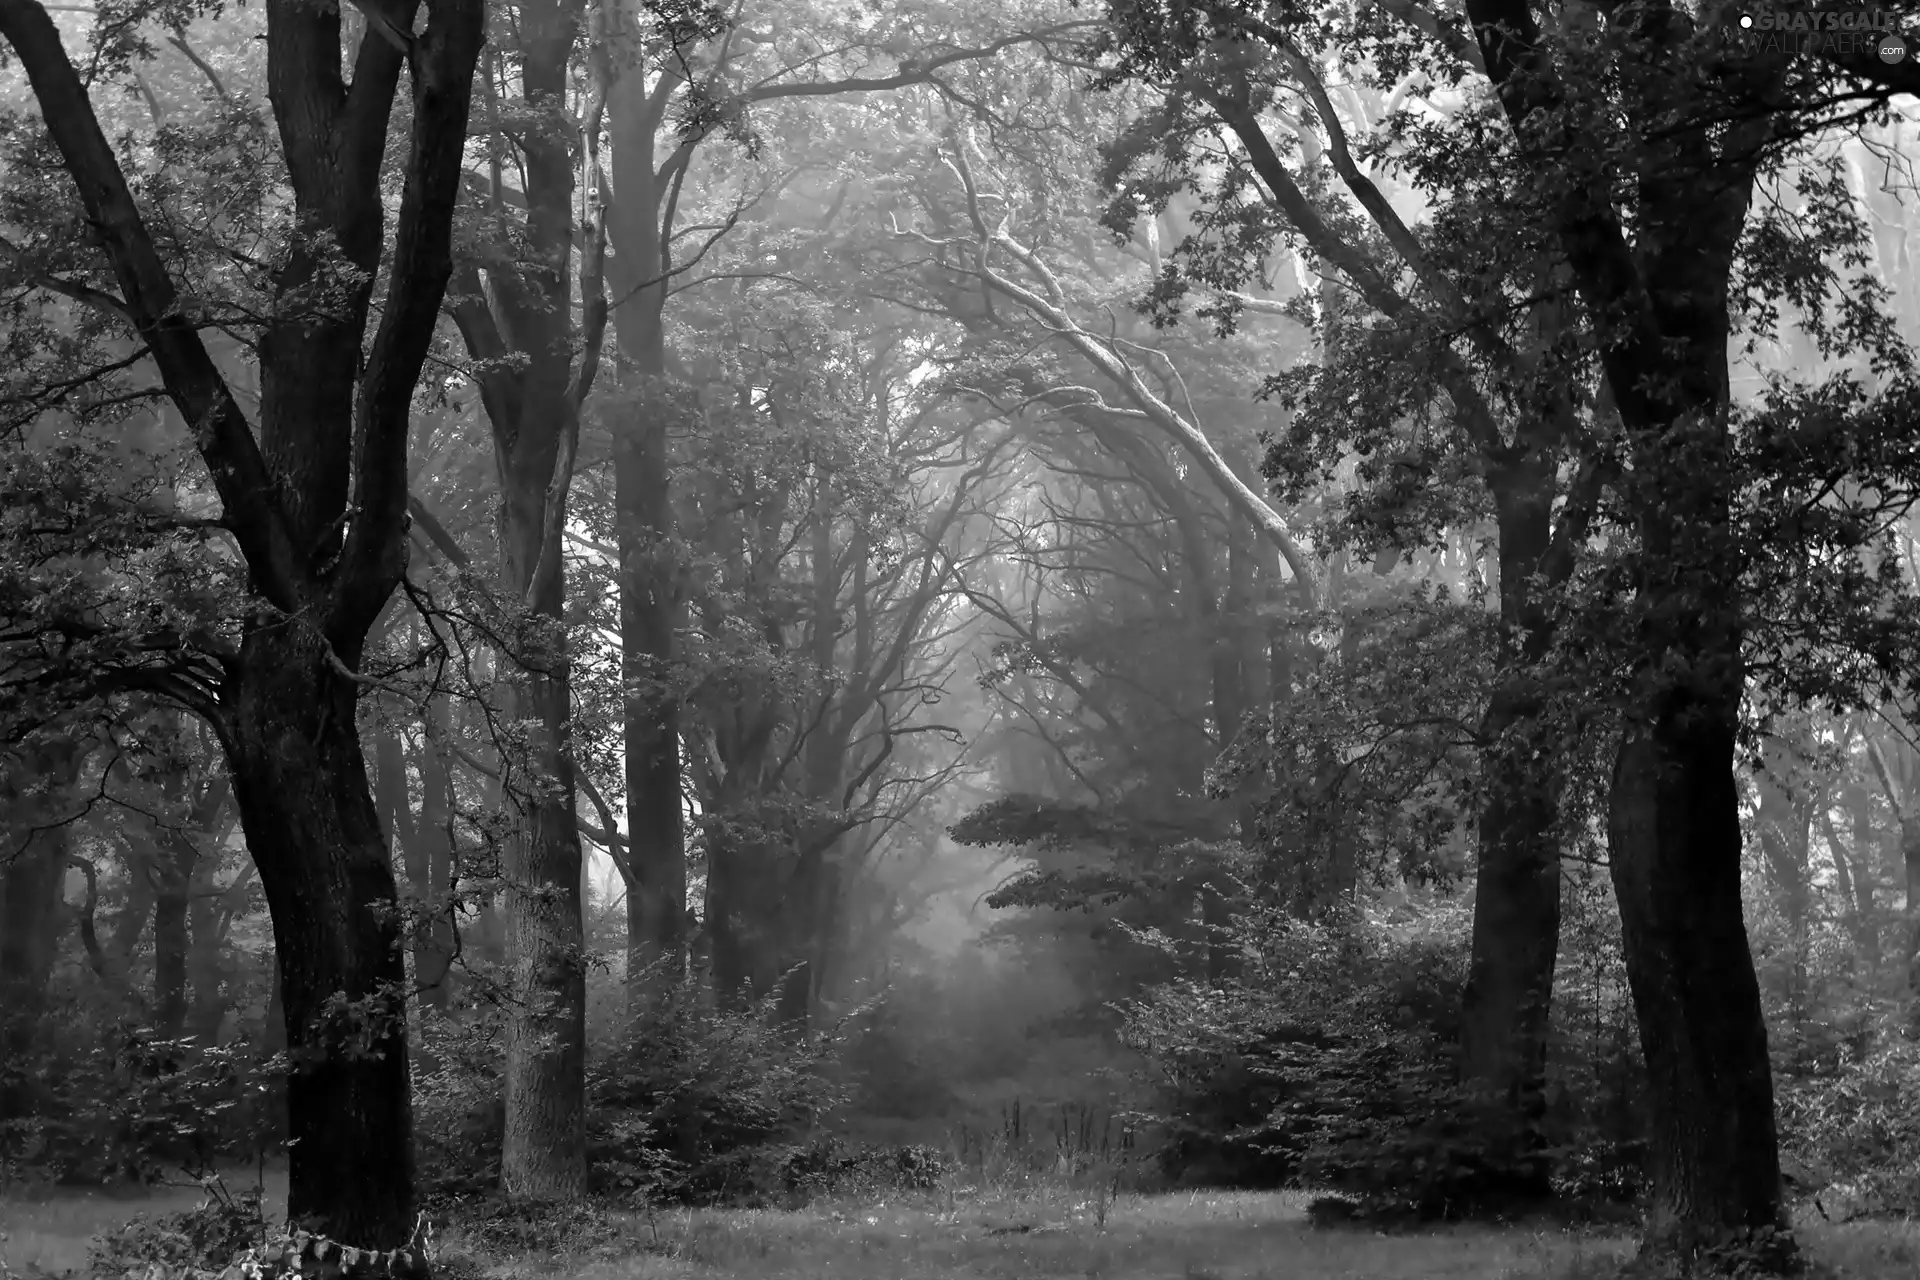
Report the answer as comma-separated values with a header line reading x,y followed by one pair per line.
x,y
30,924
1508,1000
301,784
171,941
206,973
1910,860
644,531
433,943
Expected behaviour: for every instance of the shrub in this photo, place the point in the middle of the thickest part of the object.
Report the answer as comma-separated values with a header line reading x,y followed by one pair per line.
x,y
459,1112
694,1102
205,1238
1329,1063
119,1104
1860,1126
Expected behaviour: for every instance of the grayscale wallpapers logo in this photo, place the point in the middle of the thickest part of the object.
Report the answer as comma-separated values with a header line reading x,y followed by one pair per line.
x,y
1819,31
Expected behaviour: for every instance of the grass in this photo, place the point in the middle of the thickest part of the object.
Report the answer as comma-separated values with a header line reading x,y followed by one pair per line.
x,y
1036,1233
1207,1236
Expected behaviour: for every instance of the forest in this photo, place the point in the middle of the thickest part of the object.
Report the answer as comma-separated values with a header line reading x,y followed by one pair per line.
x,y
956,638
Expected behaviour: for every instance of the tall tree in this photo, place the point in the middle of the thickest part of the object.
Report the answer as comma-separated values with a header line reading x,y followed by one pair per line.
x,y
314,496
515,311
1687,119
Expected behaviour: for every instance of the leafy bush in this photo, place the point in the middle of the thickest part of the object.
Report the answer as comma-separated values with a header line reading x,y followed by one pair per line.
x,y
1331,1039
827,1166
117,1103
205,1238
1329,1063
459,1113
694,1102
1859,1125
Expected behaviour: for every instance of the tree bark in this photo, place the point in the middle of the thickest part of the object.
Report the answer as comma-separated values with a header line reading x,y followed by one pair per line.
x,y
1674,837
171,940
521,326
649,571
1507,1004
31,876
314,834
1674,833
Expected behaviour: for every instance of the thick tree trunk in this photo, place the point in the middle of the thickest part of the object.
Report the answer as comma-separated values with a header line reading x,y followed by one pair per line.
x,y
1508,1001
1674,837
544,1155
314,834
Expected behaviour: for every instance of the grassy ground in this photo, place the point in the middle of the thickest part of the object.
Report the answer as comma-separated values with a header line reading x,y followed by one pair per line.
x,y
1029,1235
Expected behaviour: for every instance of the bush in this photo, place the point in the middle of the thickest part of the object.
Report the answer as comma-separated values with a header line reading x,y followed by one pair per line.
x,y
1859,1126
118,1104
206,1238
1329,1063
695,1103
827,1166
459,1114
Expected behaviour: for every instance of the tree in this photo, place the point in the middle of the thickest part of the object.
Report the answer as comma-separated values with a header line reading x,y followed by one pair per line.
x,y
1452,376
316,503
518,328
1691,123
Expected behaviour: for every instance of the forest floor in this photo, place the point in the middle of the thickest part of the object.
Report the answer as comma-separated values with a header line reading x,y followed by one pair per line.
x,y
1028,1235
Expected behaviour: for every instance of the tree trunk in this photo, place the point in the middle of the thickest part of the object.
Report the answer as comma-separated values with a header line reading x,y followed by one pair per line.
x,y
174,861
1783,823
30,923
433,941
1508,1001
206,972
544,1155
648,613
1674,840
314,834
644,530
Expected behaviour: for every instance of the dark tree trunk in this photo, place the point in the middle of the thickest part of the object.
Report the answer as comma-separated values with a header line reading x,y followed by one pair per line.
x,y
314,834
644,530
1516,907
30,923
314,495
174,861
1784,823
433,942
1675,841
206,971
1662,281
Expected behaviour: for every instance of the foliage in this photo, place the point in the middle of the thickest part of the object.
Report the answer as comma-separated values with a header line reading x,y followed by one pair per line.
x,y
116,1103
208,1237
1859,1125
458,1113
1328,1063
692,1102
